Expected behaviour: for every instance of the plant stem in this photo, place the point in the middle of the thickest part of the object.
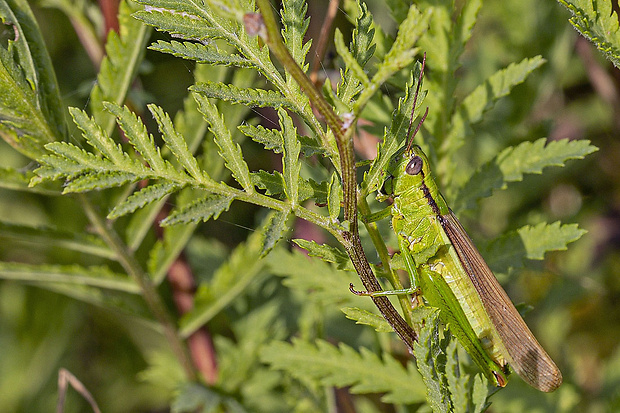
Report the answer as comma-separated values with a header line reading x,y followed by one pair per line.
x,y
149,293
350,239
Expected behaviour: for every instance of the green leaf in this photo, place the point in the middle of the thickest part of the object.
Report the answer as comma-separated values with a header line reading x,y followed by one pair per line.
x,y
402,52
334,197
342,366
81,242
430,352
243,267
27,121
275,230
513,162
176,143
124,51
144,196
100,277
295,27
142,141
362,49
200,210
366,317
482,98
291,166
511,249
598,22
250,97
229,150
326,253
394,137
316,280
548,237
271,139
201,53
194,397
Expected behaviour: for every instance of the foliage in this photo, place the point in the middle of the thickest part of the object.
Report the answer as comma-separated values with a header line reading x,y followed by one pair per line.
x,y
110,217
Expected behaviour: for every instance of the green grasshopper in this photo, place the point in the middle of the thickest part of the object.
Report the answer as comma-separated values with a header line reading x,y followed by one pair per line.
x,y
445,266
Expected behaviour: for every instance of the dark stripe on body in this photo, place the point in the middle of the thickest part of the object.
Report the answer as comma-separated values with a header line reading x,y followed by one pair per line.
x,y
429,198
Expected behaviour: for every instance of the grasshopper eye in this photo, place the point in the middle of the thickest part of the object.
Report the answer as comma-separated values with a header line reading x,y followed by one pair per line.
x,y
414,166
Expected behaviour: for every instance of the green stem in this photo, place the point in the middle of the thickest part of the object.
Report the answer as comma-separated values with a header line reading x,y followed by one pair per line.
x,y
149,293
350,239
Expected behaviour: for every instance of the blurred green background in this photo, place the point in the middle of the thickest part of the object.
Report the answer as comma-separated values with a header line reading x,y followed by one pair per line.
x,y
574,95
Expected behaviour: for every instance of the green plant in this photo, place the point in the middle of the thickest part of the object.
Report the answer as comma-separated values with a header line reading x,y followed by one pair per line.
x,y
124,180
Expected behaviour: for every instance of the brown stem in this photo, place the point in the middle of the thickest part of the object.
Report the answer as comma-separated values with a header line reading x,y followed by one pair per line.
x,y
268,29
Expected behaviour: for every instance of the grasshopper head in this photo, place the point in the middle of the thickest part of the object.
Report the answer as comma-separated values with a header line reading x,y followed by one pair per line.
x,y
407,171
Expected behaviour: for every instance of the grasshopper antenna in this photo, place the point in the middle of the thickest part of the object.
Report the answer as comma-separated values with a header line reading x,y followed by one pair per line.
x,y
415,100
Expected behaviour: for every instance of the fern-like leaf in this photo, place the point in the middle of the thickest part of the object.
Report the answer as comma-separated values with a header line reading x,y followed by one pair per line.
x,y
30,106
275,230
343,366
326,253
201,53
598,22
291,166
394,137
510,250
176,143
513,162
203,209
430,352
483,97
250,97
124,53
141,198
366,317
229,150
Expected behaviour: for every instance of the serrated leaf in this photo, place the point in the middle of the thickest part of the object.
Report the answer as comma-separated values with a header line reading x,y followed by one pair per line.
x,y
201,53
548,237
480,394
511,249
513,162
291,166
229,150
532,157
334,197
175,141
272,184
402,52
315,279
430,356
203,209
458,382
123,54
272,140
342,366
30,105
326,253
394,137
293,32
275,230
144,196
98,138
350,62
367,318
97,181
142,141
482,98
249,97
598,22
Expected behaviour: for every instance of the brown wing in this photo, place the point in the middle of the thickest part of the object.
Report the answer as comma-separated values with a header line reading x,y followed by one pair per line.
x,y
525,355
